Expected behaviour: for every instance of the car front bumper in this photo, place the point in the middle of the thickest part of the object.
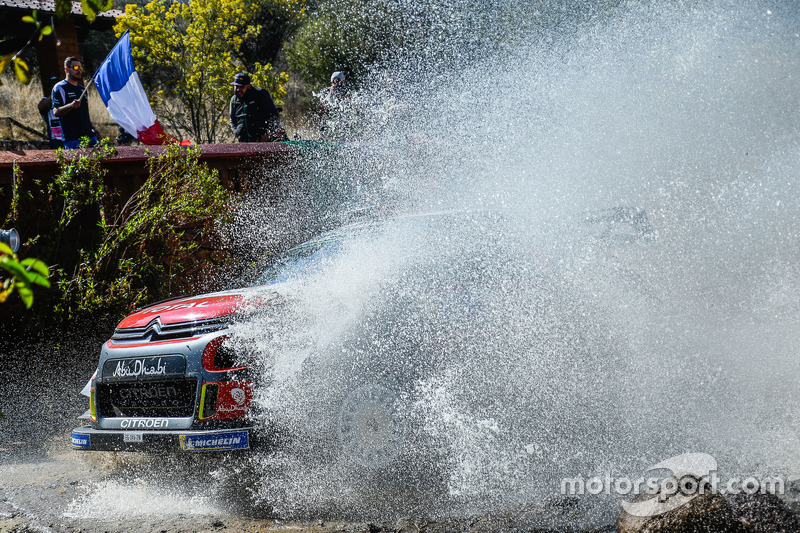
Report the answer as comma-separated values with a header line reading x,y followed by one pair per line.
x,y
223,440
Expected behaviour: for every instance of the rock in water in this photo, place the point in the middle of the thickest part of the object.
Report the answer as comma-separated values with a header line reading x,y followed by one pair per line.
x,y
764,513
672,510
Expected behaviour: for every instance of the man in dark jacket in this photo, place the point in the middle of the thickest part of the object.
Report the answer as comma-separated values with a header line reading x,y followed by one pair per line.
x,y
254,117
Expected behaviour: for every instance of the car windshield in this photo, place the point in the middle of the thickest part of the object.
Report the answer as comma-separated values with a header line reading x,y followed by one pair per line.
x,y
292,264
306,258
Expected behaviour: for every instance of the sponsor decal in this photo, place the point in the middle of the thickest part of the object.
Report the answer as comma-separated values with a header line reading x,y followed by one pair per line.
x,y
144,423
233,400
237,409
238,396
81,442
174,307
153,392
145,394
136,368
232,440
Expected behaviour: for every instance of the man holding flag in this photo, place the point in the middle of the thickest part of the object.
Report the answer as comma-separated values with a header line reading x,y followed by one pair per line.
x,y
71,108
122,93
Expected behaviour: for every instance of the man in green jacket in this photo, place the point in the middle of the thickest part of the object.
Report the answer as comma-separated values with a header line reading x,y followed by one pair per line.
x,y
254,117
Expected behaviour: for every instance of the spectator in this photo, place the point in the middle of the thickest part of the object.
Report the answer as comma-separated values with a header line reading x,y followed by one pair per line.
x,y
332,96
71,107
254,117
332,100
124,138
45,106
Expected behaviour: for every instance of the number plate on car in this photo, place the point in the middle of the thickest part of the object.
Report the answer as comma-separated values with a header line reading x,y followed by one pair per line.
x,y
133,437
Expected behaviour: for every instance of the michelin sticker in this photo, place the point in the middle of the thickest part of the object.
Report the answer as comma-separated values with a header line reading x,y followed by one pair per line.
x,y
233,440
81,442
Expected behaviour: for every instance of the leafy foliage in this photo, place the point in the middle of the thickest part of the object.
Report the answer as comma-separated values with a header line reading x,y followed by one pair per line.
x,y
21,68
91,8
63,8
344,35
81,180
359,37
146,247
21,275
278,20
185,52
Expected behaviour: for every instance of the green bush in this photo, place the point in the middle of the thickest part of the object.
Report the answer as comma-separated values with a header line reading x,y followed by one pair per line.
x,y
110,254
346,35
21,275
149,248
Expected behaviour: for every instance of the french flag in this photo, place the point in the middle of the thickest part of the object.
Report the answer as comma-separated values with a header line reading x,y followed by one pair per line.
x,y
122,93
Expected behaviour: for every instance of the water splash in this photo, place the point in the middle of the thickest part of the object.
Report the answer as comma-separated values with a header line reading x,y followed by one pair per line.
x,y
597,357
142,498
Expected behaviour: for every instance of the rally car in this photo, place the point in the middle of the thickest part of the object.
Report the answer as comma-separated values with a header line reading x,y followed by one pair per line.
x,y
165,379
170,377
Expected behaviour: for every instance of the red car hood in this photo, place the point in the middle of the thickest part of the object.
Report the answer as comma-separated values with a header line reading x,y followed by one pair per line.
x,y
193,308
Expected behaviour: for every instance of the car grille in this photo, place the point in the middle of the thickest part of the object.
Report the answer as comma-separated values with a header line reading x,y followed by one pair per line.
x,y
173,398
155,331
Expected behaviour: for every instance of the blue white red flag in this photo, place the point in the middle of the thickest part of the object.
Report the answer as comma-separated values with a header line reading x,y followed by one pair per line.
x,y
122,93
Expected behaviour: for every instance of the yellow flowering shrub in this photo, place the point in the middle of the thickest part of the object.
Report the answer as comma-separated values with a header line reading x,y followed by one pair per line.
x,y
185,53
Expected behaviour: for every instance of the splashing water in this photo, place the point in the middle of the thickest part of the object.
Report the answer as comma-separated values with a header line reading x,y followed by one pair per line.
x,y
142,499
510,356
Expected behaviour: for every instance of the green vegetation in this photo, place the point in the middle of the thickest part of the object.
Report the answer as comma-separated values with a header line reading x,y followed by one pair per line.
x,y
147,250
278,20
113,254
345,35
186,56
42,29
21,68
21,275
362,36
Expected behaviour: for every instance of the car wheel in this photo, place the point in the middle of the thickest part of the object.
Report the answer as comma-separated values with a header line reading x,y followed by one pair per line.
x,y
371,428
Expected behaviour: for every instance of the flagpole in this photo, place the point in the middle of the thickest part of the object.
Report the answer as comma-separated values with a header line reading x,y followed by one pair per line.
x,y
91,82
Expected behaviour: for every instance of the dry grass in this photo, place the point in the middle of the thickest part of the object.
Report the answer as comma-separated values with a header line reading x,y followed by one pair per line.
x,y
19,101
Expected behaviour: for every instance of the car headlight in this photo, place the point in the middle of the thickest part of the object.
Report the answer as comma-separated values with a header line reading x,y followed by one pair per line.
x,y
208,401
92,406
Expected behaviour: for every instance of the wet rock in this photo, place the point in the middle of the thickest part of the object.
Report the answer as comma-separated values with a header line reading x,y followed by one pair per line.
x,y
674,511
407,525
764,513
